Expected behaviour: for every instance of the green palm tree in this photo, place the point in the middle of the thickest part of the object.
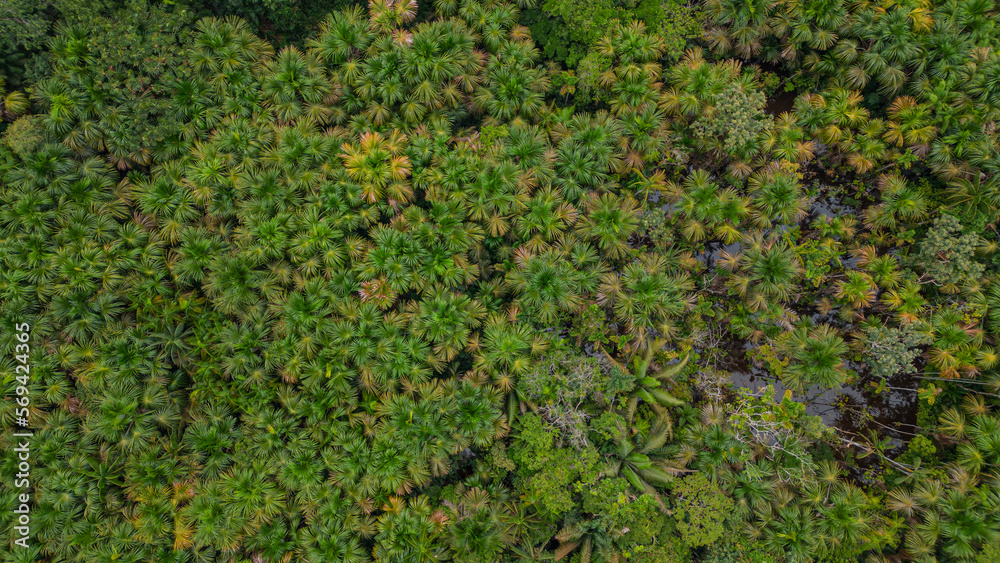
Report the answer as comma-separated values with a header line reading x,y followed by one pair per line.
x,y
549,285
649,383
379,165
446,320
609,221
645,295
13,104
909,124
746,25
641,459
496,197
513,88
408,531
979,196
900,202
504,351
858,290
699,200
817,359
789,141
590,538
343,35
544,220
790,530
766,272
476,530
777,197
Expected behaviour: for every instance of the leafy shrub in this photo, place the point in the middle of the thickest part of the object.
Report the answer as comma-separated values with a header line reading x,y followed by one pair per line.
x,y
946,255
561,383
547,473
891,351
24,135
737,116
636,518
700,508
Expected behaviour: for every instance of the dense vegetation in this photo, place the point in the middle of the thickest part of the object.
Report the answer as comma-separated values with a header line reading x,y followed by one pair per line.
x,y
417,288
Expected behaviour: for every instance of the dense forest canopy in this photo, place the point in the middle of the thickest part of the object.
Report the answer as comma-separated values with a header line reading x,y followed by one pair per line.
x,y
492,282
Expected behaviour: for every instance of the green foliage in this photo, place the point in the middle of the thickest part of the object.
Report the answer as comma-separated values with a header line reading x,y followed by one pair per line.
x,y
283,21
548,474
569,30
892,350
818,259
112,83
947,255
700,508
731,550
24,136
735,115
620,510
23,25
385,296
560,384
989,553
817,358
920,448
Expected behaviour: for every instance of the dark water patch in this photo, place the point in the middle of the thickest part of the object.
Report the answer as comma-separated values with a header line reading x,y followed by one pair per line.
x,y
712,251
811,312
780,102
830,205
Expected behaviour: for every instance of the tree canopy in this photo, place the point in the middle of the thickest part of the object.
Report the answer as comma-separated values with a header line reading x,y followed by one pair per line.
x,y
419,283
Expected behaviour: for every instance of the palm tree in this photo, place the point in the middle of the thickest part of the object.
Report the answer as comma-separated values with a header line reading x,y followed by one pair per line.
x,y
609,221
767,271
900,202
386,16
979,196
788,141
790,530
909,124
645,295
641,459
496,197
408,530
592,540
549,285
746,22
544,220
777,196
866,148
379,165
955,343
476,529
250,498
817,24
858,290
296,85
699,202
649,383
513,88
504,350
446,320
907,301
817,358
12,104
342,36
